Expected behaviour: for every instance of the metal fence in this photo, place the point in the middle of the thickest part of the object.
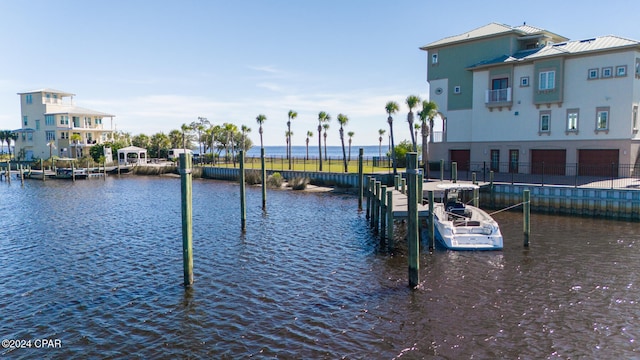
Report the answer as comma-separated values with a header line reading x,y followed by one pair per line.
x,y
601,176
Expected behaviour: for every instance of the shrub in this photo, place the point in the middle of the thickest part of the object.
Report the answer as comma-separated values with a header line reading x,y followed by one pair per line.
x,y
275,180
252,177
299,183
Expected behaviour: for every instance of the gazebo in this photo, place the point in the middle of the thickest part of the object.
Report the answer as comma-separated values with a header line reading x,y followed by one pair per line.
x,y
132,155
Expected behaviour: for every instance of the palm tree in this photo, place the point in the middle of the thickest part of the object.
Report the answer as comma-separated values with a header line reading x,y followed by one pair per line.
x,y
175,138
392,107
322,117
291,115
260,120
412,101
429,111
343,120
3,136
230,130
309,134
245,129
186,129
51,144
350,133
75,137
325,126
381,133
416,127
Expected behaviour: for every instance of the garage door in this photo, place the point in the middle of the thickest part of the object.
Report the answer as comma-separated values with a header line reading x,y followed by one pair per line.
x,y
462,157
598,162
551,162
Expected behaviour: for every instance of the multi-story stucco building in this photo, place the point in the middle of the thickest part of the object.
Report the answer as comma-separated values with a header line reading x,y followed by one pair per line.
x,y
53,125
523,96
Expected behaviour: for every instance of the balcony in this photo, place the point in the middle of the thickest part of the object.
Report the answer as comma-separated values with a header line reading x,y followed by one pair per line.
x,y
498,98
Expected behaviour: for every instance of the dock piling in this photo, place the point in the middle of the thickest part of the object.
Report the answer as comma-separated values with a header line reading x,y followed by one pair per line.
x,y
360,177
454,172
526,212
264,180
243,196
404,186
412,223
441,170
383,211
187,215
432,232
367,193
389,215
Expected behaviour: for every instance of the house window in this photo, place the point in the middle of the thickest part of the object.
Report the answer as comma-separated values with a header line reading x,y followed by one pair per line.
x,y
524,81
621,70
76,121
49,120
64,135
457,90
25,120
51,135
29,98
593,74
30,136
514,158
98,121
547,80
635,117
572,120
434,59
495,160
37,124
602,118
88,121
607,72
545,121
638,67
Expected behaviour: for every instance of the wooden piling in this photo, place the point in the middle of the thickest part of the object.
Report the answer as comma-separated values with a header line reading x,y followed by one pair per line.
x,y
420,185
432,228
412,223
372,187
73,172
526,212
243,196
404,186
378,207
441,170
21,175
454,172
474,178
9,172
264,180
187,215
389,214
491,194
367,193
360,177
476,197
383,211
396,182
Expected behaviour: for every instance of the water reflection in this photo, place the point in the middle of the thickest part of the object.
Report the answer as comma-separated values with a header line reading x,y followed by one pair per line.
x,y
99,266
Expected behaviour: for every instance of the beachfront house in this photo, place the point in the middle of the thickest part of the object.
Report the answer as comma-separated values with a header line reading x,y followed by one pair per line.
x,y
517,99
52,125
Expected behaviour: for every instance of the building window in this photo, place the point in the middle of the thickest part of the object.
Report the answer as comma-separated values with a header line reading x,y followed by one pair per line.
x,y
593,74
607,72
49,120
514,158
30,136
87,120
495,160
76,121
64,120
524,81
457,90
638,67
51,135
621,70
29,98
25,120
434,59
545,121
602,118
572,120
37,124
635,117
98,121
64,135
547,80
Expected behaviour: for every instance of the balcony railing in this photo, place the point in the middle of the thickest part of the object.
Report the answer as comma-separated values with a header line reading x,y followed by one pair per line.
x,y
497,96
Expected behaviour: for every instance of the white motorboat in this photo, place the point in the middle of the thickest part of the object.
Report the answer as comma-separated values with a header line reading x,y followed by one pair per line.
x,y
460,226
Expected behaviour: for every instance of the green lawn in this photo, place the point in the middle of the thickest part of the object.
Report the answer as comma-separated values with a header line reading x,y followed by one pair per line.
x,y
299,164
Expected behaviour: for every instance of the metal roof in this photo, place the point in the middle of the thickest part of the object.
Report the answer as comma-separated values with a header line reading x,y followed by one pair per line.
x,y
490,30
48,90
604,43
78,110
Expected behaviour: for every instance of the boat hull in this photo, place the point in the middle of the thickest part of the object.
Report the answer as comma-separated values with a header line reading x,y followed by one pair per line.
x,y
467,234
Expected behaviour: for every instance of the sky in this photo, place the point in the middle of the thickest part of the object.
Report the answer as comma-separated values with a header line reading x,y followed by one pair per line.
x,y
158,64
